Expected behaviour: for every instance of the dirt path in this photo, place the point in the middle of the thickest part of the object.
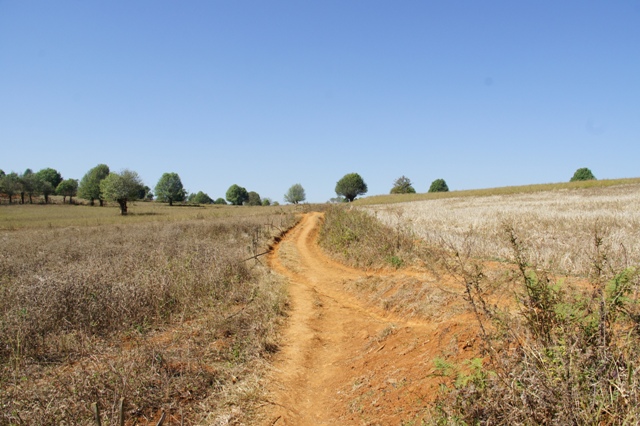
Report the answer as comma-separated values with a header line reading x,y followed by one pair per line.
x,y
346,361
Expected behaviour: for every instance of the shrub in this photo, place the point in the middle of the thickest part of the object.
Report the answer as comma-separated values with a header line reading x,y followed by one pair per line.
x,y
402,185
564,357
359,239
439,185
582,174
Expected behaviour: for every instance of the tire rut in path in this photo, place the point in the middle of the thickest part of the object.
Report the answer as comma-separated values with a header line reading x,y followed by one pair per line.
x,y
341,361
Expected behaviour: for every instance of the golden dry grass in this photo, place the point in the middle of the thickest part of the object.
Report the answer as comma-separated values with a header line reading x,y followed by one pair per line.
x,y
60,215
160,308
550,352
557,227
507,190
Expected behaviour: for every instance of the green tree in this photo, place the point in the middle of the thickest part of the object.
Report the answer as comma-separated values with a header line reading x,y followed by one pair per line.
x,y
48,181
295,194
67,188
169,189
221,201
266,201
403,185
10,185
144,193
254,199
439,185
237,195
89,187
202,198
121,188
28,185
350,186
582,174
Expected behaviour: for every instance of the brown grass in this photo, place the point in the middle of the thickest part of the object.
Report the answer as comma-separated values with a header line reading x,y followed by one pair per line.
x,y
166,314
557,353
506,190
557,227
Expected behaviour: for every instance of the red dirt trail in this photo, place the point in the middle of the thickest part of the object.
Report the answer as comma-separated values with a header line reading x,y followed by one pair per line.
x,y
345,360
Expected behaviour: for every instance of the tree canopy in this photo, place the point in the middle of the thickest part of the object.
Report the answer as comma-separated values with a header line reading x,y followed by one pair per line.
x,y
350,186
29,185
169,189
10,185
89,187
254,199
295,194
201,198
48,181
439,185
402,185
582,174
121,187
237,195
67,188
220,201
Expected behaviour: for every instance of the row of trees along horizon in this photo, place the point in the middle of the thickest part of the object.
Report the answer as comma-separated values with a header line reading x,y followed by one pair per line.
x,y
100,184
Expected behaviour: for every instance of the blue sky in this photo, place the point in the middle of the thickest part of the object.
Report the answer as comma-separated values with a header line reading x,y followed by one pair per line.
x,y
265,94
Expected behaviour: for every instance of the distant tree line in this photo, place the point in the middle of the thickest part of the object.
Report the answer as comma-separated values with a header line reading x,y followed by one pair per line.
x,y
45,182
100,184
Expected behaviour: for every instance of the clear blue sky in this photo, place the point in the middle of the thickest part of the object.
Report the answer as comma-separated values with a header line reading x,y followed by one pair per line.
x,y
266,94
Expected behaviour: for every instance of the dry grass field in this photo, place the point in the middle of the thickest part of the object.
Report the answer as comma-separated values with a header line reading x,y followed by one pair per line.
x,y
160,309
168,311
557,227
551,284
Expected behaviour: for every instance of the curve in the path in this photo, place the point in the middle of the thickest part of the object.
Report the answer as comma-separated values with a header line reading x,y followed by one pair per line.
x,y
343,361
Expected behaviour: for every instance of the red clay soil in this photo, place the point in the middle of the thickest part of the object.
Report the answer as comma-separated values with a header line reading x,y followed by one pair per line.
x,y
345,360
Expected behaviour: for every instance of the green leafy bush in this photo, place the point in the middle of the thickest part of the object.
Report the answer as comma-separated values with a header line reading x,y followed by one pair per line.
x,y
439,185
582,174
402,185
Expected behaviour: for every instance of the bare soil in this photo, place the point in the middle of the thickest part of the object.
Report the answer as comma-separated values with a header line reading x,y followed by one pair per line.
x,y
347,360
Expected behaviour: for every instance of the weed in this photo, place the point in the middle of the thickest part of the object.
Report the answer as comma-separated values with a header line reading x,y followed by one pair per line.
x,y
359,239
564,357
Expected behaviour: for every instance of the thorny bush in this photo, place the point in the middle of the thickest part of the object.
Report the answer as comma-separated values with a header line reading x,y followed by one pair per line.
x,y
565,356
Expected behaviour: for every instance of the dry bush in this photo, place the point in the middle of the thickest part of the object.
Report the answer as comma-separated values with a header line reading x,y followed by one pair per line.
x,y
564,356
360,240
92,314
555,226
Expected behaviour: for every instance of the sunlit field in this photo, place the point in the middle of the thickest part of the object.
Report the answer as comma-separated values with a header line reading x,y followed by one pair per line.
x,y
551,284
59,215
166,309
557,227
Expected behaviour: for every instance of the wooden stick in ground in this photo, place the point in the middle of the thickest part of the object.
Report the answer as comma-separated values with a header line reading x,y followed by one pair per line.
x,y
96,413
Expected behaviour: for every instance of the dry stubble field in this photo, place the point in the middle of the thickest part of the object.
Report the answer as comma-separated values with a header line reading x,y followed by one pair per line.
x,y
159,309
557,227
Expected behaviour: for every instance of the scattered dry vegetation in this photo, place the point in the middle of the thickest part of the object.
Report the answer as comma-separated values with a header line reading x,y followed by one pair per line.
x,y
556,227
168,314
566,350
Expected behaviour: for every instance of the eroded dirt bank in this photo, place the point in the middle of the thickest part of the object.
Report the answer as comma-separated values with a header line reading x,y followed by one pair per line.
x,y
347,361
